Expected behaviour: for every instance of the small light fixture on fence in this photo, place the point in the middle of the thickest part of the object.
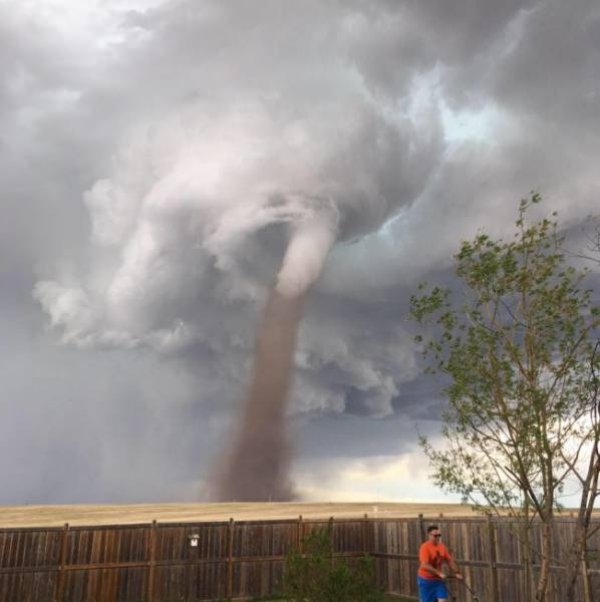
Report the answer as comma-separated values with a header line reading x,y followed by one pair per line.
x,y
194,539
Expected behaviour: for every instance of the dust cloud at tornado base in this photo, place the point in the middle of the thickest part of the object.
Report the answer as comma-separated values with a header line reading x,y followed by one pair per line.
x,y
257,466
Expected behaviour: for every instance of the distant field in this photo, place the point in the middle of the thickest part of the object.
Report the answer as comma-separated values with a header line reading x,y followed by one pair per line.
x,y
107,514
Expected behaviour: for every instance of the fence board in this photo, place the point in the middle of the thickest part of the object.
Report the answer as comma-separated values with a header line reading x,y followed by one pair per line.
x,y
118,584
31,548
191,582
174,543
27,587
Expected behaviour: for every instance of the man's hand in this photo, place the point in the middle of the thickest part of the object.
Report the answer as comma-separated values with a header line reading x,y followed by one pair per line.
x,y
441,575
458,576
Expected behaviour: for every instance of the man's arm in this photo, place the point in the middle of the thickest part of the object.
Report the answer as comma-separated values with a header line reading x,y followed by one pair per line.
x,y
431,569
453,565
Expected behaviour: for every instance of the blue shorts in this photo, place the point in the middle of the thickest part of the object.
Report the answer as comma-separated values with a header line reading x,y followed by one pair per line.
x,y
431,589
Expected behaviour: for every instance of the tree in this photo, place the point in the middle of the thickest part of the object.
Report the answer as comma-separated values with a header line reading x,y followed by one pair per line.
x,y
518,353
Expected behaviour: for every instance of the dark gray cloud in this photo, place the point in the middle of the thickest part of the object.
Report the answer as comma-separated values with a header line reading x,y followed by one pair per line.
x,y
154,156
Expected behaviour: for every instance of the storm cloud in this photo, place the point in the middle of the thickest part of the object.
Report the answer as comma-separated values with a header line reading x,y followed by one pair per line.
x,y
157,157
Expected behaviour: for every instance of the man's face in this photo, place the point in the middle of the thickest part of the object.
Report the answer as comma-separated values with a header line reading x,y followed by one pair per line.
x,y
435,536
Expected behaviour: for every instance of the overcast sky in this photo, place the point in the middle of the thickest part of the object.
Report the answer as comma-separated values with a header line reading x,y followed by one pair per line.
x,y
154,154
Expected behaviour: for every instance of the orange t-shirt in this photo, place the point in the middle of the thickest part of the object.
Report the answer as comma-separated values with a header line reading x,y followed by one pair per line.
x,y
435,555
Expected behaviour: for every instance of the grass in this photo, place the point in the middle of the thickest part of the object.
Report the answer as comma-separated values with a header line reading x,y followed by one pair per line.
x,y
388,598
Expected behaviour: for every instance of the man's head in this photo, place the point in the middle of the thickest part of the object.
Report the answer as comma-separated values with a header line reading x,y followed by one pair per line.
x,y
433,534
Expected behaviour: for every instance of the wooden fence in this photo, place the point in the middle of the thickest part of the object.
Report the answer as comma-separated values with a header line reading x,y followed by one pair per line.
x,y
170,562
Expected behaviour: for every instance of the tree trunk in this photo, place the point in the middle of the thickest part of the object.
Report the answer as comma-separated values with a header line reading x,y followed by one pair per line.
x,y
525,538
577,558
575,562
572,567
542,583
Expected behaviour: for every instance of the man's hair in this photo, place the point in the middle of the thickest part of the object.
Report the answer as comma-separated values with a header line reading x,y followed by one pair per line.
x,y
431,528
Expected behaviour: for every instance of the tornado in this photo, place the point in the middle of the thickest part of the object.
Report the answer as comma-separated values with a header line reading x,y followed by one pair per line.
x,y
257,465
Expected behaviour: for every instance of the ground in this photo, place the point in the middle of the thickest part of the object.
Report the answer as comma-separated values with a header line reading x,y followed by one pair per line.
x,y
388,598
110,514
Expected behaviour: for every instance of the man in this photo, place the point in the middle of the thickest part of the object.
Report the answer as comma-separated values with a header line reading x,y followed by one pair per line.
x,y
433,554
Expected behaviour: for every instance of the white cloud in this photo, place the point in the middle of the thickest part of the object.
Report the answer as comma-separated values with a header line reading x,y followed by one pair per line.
x,y
398,478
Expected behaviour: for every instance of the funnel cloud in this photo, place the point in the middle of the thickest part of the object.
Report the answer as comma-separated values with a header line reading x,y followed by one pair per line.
x,y
257,467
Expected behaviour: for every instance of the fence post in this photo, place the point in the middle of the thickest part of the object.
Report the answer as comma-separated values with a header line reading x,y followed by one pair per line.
x,y
331,539
151,560
230,529
421,527
366,534
493,558
300,535
60,579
